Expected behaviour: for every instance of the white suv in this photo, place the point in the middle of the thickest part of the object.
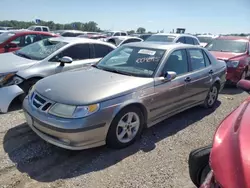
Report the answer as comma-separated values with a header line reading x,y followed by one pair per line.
x,y
39,28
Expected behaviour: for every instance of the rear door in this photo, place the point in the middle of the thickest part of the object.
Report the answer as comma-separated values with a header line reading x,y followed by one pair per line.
x,y
201,76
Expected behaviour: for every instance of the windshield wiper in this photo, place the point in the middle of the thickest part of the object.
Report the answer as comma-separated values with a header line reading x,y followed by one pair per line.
x,y
116,71
23,55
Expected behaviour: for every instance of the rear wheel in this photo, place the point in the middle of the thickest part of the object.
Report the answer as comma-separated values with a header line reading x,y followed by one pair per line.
x,y
125,128
212,96
199,165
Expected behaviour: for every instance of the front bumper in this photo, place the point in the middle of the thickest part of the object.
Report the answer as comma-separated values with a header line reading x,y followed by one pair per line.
x,y
7,95
73,134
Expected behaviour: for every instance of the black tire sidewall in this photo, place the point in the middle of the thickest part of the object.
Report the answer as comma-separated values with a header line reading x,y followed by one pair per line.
x,y
198,162
112,140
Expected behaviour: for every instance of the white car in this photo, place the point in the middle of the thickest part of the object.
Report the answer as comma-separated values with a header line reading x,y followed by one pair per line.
x,y
118,41
114,33
20,70
205,39
39,28
174,37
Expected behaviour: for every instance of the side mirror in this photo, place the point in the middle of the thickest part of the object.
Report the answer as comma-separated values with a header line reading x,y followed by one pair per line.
x,y
66,59
11,45
168,76
244,85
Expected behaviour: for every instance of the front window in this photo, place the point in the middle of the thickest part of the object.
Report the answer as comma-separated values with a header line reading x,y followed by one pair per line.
x,y
227,46
161,38
133,61
40,50
31,28
5,36
205,39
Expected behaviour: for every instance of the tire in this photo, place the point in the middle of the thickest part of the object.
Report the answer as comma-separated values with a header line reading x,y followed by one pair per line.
x,y
26,85
112,139
207,102
199,164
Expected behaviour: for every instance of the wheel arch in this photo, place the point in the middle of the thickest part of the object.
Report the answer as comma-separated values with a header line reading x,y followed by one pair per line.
x,y
139,105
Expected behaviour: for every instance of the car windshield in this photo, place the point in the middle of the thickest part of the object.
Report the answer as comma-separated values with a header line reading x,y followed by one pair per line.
x,y
109,34
133,61
205,39
5,36
40,50
161,38
227,46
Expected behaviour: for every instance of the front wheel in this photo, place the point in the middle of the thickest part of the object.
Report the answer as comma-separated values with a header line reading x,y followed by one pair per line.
x,y
212,96
26,85
125,128
199,165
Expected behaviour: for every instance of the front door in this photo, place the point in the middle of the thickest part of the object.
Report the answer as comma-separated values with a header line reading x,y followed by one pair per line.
x,y
171,96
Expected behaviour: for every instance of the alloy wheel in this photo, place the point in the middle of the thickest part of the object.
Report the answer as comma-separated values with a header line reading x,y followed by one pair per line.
x,y
212,95
128,127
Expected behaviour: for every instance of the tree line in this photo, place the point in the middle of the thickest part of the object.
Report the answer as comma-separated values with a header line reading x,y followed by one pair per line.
x,y
88,26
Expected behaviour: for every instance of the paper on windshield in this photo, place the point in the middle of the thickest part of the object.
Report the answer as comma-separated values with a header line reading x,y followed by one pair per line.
x,y
147,52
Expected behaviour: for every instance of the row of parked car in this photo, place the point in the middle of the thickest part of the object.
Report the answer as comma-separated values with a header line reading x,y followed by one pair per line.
x,y
107,93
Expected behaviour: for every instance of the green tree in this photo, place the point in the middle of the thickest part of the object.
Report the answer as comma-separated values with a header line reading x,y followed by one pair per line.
x,y
131,32
141,30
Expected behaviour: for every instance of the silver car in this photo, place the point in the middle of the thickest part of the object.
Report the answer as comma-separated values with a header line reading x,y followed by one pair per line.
x,y
23,68
134,87
174,37
120,40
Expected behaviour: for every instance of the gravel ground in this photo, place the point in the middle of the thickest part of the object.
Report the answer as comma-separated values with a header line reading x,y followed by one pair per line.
x,y
159,159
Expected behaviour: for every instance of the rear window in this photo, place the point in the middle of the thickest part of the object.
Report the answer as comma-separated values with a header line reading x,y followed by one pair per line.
x,y
222,45
161,38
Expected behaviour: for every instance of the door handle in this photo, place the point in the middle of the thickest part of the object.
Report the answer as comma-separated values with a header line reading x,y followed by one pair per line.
x,y
211,72
188,79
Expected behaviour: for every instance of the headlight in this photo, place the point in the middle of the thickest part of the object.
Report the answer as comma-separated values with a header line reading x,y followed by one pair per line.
x,y
10,79
233,64
69,111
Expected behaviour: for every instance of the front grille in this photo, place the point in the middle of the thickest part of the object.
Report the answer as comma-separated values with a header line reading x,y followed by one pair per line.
x,y
40,102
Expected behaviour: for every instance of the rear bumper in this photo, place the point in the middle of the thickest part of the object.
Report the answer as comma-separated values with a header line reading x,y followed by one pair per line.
x,y
7,95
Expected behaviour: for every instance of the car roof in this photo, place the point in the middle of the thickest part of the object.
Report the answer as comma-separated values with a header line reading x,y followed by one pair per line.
x,y
69,30
125,37
174,34
25,31
160,45
233,38
79,40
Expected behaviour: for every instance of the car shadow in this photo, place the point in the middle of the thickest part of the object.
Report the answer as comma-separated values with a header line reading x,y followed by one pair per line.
x,y
44,162
231,90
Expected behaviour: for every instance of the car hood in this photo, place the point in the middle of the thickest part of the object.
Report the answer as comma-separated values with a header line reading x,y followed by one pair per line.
x,y
226,55
88,86
230,156
10,62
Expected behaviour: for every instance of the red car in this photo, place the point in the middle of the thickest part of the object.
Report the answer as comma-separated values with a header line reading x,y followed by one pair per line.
x,y
14,40
236,52
226,164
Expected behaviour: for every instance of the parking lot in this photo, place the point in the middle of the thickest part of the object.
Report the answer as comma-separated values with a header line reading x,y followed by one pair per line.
x,y
158,159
